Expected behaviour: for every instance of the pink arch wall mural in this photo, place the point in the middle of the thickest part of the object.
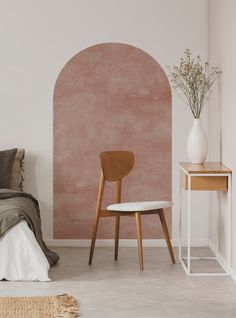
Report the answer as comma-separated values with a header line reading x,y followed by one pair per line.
x,y
110,96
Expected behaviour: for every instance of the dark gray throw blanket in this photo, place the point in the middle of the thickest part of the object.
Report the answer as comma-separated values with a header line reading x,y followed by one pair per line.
x,y
16,206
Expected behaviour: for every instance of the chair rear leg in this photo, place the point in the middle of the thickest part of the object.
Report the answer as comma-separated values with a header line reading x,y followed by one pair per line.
x,y
117,229
94,235
166,234
139,239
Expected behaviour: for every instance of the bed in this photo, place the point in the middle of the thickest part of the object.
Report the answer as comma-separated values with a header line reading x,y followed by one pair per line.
x,y
22,259
24,255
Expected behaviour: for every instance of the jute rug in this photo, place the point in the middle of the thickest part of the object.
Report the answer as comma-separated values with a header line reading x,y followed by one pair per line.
x,y
60,306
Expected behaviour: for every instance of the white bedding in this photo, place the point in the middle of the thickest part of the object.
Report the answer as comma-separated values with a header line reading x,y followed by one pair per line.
x,y
21,258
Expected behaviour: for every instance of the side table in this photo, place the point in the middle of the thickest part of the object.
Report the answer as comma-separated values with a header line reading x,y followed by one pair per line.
x,y
210,176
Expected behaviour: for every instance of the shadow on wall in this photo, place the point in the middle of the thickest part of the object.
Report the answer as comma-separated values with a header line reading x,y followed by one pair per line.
x,y
110,96
30,184
218,201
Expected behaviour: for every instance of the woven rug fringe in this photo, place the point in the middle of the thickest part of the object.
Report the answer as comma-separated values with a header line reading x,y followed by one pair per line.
x,y
67,307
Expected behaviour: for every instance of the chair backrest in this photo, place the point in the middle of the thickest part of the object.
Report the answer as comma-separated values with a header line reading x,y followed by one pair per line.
x,y
116,164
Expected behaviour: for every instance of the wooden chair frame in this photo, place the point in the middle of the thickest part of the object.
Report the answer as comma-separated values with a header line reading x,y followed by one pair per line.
x,y
108,175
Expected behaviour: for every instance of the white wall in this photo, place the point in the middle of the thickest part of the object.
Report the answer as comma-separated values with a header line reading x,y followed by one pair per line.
x,y
39,37
222,110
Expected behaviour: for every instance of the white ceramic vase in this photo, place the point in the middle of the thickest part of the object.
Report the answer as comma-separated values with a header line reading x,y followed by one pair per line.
x,y
197,145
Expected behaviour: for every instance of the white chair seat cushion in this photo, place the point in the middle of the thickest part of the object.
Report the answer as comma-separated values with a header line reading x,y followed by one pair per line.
x,y
139,206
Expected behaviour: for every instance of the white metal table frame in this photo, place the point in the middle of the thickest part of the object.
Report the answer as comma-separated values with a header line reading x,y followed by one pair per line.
x,y
187,268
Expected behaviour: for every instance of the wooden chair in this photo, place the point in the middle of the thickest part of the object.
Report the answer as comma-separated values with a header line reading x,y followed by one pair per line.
x,y
115,166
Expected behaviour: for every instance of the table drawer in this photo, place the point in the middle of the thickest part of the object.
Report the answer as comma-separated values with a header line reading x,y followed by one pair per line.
x,y
205,183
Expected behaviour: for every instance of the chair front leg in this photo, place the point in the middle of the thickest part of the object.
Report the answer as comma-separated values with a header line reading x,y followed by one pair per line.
x,y
166,234
117,229
139,239
94,235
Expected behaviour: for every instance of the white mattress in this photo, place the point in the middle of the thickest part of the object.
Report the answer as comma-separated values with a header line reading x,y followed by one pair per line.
x,y
21,258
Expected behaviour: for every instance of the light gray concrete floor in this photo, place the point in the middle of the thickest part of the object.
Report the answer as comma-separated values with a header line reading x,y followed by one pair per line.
x,y
118,289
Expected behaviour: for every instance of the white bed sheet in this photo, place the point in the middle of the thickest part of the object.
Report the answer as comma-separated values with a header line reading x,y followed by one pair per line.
x,y
21,258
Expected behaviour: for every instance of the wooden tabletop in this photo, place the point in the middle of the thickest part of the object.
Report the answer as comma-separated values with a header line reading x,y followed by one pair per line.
x,y
205,168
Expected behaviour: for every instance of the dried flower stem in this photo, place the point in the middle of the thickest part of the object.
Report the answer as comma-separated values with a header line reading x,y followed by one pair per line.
x,y
192,82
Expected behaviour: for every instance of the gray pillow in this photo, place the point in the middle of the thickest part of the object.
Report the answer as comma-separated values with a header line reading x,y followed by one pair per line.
x,y
7,158
17,171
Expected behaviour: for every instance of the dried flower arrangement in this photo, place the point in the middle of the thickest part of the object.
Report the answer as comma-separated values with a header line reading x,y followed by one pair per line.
x,y
192,81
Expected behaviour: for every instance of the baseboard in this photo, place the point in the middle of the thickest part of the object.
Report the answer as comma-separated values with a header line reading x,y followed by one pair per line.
x,y
219,256
122,243
104,243
233,274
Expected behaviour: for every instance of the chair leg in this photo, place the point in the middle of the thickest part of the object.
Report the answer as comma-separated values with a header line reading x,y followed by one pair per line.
x,y
139,239
166,234
94,235
117,229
